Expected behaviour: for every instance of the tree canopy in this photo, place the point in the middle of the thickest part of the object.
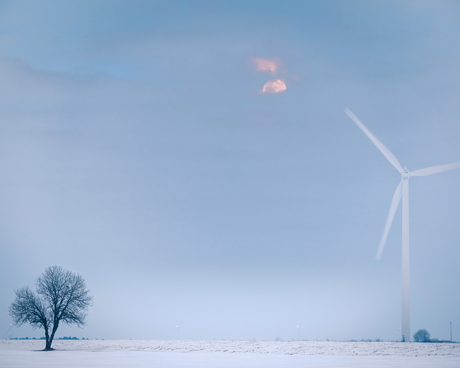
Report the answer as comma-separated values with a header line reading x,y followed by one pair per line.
x,y
422,336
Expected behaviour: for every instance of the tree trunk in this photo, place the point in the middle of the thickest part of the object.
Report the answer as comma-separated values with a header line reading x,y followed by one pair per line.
x,y
55,327
47,337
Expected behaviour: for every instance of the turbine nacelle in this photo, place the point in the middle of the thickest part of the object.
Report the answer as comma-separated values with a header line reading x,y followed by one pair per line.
x,y
405,173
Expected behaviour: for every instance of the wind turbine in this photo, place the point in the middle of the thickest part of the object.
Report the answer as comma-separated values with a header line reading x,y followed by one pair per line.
x,y
402,191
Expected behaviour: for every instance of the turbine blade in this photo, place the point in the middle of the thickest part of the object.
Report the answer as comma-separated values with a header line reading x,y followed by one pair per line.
x,y
386,152
394,206
435,169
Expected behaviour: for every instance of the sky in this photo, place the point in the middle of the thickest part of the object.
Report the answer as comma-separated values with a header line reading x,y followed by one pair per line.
x,y
193,162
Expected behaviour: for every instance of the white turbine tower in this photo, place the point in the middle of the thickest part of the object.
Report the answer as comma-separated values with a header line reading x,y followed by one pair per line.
x,y
401,191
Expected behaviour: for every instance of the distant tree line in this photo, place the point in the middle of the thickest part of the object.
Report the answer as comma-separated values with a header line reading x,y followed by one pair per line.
x,y
44,338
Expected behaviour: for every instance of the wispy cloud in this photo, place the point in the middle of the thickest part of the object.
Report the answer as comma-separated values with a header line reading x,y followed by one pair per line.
x,y
266,65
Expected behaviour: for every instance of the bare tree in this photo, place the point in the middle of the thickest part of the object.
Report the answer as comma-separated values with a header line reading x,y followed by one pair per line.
x,y
61,297
422,336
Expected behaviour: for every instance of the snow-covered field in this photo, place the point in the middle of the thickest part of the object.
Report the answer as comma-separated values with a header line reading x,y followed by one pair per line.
x,y
207,354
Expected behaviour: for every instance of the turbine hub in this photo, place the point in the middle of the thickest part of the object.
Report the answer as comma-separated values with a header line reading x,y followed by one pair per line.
x,y
405,173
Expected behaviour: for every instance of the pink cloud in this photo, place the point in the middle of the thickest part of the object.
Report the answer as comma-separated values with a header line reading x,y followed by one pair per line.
x,y
274,86
266,65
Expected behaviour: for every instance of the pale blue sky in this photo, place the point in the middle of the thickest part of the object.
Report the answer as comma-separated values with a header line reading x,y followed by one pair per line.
x,y
137,150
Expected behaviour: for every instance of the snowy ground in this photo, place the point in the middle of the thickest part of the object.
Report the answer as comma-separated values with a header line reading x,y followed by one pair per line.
x,y
207,354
